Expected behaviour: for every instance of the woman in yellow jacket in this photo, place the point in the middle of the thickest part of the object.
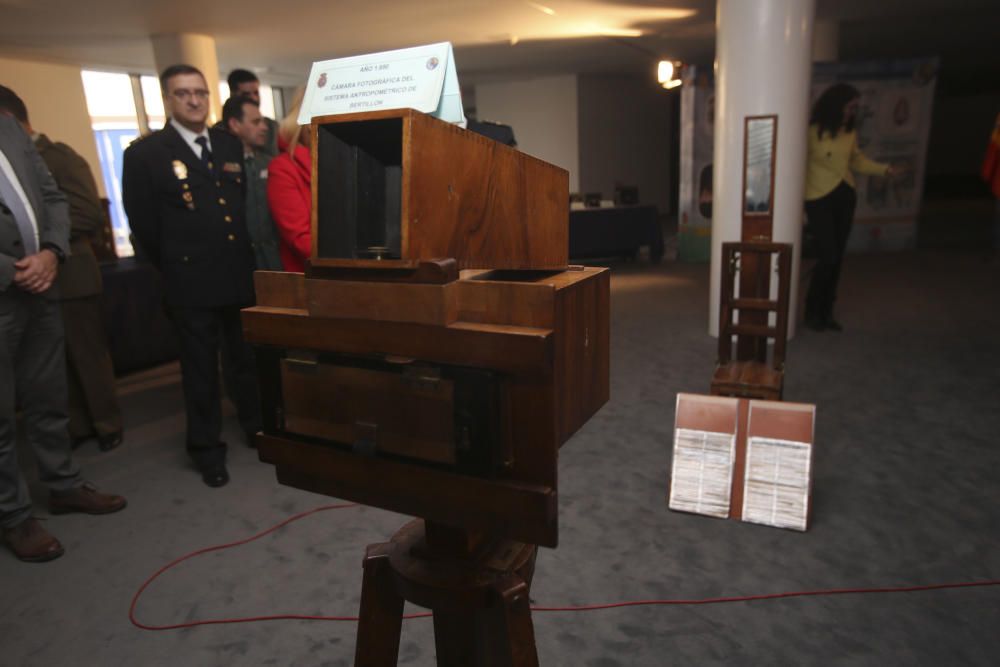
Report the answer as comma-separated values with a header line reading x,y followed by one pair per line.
x,y
830,196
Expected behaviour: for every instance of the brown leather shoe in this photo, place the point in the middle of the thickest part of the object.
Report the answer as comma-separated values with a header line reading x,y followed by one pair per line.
x,y
32,543
86,499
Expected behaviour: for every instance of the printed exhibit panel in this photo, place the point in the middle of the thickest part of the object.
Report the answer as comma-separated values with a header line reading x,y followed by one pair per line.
x,y
894,122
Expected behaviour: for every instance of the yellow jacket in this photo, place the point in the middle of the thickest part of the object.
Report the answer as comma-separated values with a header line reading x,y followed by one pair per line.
x,y
831,160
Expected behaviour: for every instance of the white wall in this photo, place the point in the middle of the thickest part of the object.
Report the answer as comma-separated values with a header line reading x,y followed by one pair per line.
x,y
56,105
543,113
625,125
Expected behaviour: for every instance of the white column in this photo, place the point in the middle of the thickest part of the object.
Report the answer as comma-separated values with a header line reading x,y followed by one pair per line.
x,y
197,51
763,66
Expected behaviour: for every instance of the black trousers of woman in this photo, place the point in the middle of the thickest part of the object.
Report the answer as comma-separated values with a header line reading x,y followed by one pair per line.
x,y
830,218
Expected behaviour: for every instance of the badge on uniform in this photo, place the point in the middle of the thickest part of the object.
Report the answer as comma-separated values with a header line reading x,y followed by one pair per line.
x,y
180,170
232,167
188,199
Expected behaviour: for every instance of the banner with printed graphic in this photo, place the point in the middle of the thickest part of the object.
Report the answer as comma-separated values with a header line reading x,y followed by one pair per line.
x,y
893,125
694,226
894,121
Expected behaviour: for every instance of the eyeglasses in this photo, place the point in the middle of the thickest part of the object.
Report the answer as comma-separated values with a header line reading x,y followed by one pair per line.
x,y
184,94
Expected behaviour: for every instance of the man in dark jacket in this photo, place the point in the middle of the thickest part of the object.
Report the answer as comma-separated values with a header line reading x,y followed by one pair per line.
x,y
183,188
241,116
93,405
34,240
244,83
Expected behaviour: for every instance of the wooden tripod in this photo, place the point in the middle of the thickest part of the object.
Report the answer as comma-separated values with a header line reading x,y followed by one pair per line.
x,y
476,587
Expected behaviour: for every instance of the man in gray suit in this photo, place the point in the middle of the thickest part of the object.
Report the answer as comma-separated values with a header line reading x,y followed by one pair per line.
x,y
93,405
34,238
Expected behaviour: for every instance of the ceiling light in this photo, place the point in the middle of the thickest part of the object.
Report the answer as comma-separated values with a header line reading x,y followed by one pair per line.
x,y
617,32
667,74
542,8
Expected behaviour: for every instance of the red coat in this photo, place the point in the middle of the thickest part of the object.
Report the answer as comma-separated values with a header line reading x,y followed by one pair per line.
x,y
991,164
289,195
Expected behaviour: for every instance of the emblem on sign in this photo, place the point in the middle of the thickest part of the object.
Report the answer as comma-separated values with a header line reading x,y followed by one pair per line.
x,y
432,63
321,81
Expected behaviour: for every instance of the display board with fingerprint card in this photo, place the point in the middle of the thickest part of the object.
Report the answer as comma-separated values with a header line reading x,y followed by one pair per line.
x,y
743,459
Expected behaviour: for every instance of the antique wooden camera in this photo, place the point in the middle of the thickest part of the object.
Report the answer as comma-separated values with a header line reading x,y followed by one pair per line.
x,y
438,349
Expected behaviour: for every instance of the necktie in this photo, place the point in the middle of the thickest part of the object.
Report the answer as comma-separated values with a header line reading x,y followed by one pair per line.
x,y
17,208
206,155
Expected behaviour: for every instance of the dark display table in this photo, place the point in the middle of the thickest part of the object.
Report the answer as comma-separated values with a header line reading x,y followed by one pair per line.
x,y
617,231
139,333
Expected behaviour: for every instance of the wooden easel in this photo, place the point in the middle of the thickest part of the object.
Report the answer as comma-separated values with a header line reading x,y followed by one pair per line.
x,y
477,588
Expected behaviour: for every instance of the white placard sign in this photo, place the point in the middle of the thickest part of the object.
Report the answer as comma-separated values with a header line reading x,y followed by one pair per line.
x,y
423,78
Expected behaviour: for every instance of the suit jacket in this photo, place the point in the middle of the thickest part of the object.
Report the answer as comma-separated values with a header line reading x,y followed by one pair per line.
x,y
49,204
80,275
190,221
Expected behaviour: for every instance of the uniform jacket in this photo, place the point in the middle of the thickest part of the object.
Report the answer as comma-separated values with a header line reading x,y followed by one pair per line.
x,y
289,194
189,220
832,159
263,233
49,204
80,275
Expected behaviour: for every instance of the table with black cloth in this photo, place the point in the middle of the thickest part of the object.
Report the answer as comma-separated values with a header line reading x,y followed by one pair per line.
x,y
139,334
615,231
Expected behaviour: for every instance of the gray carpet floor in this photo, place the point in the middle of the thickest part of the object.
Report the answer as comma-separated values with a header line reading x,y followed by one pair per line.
x,y
905,492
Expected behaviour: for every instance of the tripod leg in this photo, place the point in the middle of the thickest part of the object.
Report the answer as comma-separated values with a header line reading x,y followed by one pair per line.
x,y
510,636
517,616
381,615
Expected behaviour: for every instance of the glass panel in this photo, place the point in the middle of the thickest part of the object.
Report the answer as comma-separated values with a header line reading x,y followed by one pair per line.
x,y
109,99
266,98
113,118
759,163
266,101
152,100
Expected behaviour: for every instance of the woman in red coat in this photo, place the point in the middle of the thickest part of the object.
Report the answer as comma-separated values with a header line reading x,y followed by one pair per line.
x,y
289,192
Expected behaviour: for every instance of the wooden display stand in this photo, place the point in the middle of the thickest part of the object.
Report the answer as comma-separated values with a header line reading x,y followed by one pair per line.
x,y
744,317
391,377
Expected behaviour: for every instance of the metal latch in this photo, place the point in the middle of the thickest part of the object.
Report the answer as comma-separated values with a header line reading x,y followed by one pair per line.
x,y
302,360
365,439
422,377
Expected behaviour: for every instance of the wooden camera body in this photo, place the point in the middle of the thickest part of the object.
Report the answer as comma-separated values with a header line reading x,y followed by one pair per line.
x,y
439,349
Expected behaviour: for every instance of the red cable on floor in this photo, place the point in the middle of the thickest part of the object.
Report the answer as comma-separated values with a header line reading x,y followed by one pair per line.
x,y
249,619
773,596
591,607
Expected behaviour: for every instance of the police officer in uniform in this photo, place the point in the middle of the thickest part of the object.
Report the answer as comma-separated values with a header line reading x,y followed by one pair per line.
x,y
184,190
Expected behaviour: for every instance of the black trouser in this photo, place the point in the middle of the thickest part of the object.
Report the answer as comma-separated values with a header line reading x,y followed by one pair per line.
x,y
93,404
830,219
202,333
